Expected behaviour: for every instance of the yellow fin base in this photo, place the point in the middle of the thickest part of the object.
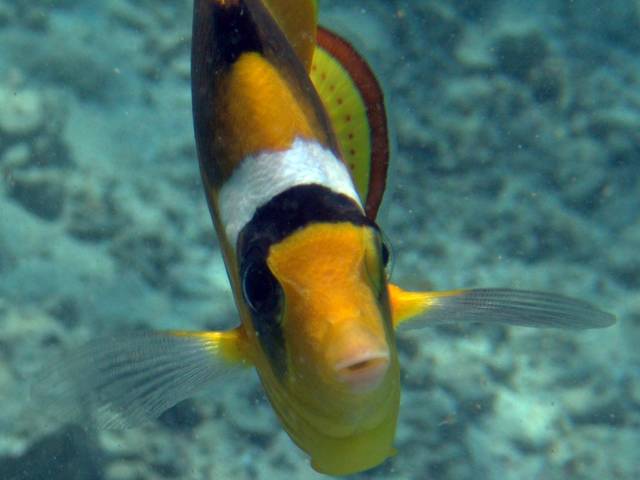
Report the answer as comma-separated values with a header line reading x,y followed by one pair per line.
x,y
501,306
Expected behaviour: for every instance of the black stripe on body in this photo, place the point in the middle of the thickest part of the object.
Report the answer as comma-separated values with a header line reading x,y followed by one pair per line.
x,y
284,214
295,208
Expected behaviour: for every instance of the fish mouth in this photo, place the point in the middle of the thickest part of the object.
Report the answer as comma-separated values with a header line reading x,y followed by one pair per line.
x,y
363,372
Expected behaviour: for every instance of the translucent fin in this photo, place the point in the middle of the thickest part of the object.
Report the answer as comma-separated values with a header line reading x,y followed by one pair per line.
x,y
124,381
355,105
501,306
298,20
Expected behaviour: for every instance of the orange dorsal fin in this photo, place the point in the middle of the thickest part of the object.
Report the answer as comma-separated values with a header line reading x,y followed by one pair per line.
x,y
298,19
355,105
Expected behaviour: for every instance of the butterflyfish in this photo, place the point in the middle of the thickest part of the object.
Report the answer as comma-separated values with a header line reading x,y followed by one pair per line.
x,y
291,136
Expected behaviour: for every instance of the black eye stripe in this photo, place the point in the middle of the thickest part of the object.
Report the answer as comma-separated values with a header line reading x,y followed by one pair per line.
x,y
264,297
260,288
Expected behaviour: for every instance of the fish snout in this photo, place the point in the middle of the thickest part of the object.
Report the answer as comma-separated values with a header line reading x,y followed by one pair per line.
x,y
363,371
357,355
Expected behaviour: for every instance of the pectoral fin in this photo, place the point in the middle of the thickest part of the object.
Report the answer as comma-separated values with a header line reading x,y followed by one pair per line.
x,y
500,306
123,381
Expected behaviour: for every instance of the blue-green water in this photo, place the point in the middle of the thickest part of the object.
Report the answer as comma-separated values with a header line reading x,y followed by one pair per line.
x,y
516,163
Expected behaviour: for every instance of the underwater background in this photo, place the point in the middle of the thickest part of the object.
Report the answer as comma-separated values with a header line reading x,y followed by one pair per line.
x,y
516,162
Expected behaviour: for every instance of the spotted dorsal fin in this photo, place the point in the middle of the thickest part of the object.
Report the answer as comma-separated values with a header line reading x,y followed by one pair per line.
x,y
355,105
298,19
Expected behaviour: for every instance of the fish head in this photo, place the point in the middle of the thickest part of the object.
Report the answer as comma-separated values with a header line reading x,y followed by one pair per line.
x,y
335,309
330,364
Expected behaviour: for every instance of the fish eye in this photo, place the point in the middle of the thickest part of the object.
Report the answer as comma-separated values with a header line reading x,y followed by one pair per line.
x,y
386,254
378,260
260,288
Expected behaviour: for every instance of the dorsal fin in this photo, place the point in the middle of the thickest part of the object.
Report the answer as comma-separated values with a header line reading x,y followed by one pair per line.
x,y
355,104
298,19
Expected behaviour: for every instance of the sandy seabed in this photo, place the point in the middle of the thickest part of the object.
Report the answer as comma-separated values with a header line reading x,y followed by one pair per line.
x,y
516,162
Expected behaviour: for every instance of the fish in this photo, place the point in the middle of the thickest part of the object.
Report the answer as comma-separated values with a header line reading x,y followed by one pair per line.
x,y
291,136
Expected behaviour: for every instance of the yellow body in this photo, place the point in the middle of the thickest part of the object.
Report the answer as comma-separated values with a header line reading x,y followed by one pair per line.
x,y
332,305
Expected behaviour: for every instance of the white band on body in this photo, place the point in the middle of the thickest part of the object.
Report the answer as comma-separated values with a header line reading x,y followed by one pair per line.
x,y
261,177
